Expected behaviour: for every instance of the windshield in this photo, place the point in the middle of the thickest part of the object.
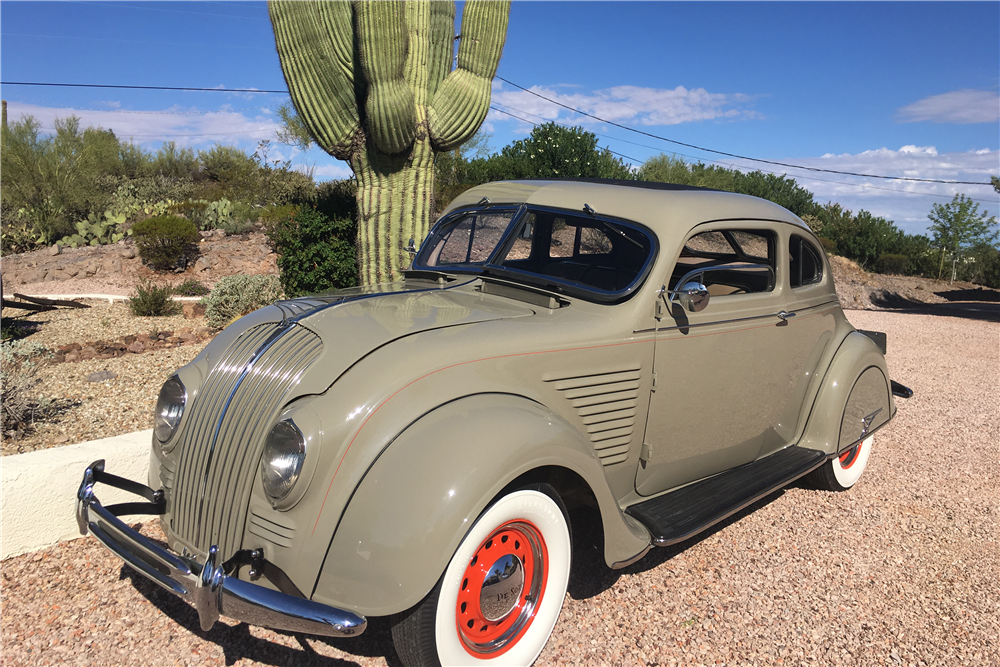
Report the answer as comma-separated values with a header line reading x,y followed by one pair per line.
x,y
566,252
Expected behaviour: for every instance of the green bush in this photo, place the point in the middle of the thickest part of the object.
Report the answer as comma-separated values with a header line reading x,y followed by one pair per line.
x,y
235,296
166,242
315,253
191,287
829,246
899,265
152,301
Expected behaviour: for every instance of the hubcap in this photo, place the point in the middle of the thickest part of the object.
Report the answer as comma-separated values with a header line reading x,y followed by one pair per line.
x,y
501,589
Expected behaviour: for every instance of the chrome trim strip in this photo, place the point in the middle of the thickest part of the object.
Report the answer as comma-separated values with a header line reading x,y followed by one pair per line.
x,y
207,587
787,314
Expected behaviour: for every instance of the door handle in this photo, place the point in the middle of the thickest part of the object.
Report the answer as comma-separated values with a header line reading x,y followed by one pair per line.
x,y
784,315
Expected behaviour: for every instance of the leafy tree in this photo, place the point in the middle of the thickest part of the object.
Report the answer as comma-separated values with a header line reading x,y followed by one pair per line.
x,y
958,225
172,161
781,190
554,151
995,182
862,237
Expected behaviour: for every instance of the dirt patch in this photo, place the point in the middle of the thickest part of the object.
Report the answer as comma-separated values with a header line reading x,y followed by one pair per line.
x,y
117,269
860,290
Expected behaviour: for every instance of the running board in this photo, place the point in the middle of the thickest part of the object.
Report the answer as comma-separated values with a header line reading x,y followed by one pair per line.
x,y
676,516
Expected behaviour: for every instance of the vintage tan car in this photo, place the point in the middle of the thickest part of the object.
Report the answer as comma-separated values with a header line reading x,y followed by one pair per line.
x,y
666,355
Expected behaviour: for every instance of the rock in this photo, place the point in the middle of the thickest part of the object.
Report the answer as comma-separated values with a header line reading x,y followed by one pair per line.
x,y
142,338
72,356
112,265
220,233
55,249
193,310
264,250
136,347
128,253
34,276
202,264
101,376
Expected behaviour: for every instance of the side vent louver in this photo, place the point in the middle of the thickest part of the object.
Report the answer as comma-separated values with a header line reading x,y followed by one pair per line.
x,y
606,402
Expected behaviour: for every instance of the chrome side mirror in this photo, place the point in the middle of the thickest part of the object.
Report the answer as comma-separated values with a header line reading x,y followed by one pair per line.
x,y
692,296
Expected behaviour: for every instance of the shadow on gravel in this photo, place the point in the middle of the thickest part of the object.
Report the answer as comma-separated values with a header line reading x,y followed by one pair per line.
x,y
970,295
590,576
986,310
237,643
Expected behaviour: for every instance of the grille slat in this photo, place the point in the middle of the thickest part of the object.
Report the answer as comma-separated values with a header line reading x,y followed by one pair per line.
x,y
607,405
225,434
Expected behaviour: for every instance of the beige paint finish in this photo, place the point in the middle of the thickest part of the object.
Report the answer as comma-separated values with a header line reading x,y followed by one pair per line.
x,y
431,397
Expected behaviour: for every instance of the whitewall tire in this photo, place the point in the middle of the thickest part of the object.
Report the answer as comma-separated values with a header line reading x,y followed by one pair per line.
x,y
501,594
842,472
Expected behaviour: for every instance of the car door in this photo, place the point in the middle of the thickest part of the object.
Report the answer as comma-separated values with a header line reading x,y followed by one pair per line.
x,y
729,380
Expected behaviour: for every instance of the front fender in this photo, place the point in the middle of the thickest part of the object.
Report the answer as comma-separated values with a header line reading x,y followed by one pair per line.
x,y
854,400
425,491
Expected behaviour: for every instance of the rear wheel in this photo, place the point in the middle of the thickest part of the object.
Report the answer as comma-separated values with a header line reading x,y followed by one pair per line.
x,y
842,472
502,592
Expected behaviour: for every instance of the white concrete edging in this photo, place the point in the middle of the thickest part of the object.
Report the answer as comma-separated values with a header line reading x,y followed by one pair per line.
x,y
110,298
38,489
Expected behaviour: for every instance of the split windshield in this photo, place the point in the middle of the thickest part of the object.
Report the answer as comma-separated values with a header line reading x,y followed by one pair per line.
x,y
580,255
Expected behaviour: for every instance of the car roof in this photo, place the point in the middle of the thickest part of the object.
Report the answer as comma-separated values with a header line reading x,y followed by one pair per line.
x,y
668,209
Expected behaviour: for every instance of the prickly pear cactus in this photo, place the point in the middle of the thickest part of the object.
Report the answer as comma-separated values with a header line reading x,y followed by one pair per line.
x,y
373,83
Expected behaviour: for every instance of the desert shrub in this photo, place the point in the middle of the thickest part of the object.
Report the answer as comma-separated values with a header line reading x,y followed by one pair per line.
x,y
899,265
166,242
18,377
315,253
152,300
829,246
191,287
235,296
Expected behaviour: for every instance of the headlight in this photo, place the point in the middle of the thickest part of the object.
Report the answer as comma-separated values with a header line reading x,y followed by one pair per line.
x,y
284,452
169,408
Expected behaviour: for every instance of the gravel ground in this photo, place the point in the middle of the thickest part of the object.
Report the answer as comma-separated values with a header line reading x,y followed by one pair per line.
x,y
901,570
78,410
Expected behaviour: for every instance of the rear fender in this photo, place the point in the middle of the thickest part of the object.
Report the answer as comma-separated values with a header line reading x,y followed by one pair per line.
x,y
427,488
854,400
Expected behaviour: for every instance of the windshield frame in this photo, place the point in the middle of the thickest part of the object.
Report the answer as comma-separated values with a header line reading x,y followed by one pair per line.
x,y
494,267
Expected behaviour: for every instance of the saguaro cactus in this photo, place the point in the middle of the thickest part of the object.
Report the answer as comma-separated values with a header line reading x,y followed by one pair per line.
x,y
373,83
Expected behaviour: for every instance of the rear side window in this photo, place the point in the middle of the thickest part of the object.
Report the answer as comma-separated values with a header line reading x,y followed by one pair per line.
x,y
728,261
804,265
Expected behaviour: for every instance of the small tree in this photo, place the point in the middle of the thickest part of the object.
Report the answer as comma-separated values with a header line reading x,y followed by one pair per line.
x,y
958,225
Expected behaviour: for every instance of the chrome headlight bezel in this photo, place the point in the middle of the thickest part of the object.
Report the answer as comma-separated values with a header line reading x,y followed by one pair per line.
x,y
282,462
170,406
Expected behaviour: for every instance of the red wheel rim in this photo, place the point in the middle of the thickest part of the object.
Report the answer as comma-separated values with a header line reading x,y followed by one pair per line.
x,y
850,457
479,635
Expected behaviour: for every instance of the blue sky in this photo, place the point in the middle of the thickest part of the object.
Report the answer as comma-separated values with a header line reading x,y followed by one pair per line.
x,y
898,88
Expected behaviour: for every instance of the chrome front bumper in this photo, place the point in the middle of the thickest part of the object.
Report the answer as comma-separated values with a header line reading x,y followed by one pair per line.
x,y
206,586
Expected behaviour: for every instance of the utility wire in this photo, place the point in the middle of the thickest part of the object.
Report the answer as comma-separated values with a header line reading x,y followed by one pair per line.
x,y
733,155
730,165
100,85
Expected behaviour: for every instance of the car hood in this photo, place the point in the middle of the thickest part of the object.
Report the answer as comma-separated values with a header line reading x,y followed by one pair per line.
x,y
354,323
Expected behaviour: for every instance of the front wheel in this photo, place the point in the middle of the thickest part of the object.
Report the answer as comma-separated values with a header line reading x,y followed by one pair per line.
x,y
501,594
842,472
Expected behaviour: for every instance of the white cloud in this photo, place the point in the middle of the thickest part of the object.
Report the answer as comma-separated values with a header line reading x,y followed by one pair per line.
x,y
907,203
962,107
176,123
631,104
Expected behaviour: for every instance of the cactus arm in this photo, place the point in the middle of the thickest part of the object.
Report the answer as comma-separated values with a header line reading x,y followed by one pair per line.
x,y
462,100
442,44
316,49
382,44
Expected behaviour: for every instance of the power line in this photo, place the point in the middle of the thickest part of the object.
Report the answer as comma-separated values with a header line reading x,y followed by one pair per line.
x,y
733,155
101,85
731,165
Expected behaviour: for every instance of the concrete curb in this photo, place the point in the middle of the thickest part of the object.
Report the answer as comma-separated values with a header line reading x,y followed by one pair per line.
x,y
38,497
111,298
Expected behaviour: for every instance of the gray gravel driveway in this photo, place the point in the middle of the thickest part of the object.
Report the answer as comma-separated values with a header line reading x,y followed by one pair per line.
x,y
901,570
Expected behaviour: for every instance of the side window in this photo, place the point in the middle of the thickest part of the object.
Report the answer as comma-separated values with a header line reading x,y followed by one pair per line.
x,y
804,264
727,262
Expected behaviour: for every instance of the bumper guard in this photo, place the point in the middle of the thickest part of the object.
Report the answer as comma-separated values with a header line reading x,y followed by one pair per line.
x,y
206,586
